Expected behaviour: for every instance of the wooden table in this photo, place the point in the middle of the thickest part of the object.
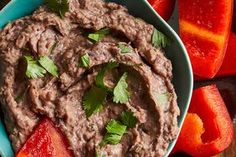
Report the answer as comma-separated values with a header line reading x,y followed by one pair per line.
x,y
227,87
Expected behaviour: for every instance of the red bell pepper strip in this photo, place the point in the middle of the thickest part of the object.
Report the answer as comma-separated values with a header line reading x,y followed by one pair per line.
x,y
164,8
204,29
228,67
208,128
234,18
46,141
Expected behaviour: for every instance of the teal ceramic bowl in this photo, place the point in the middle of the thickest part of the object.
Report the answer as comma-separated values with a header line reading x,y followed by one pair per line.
x,y
176,52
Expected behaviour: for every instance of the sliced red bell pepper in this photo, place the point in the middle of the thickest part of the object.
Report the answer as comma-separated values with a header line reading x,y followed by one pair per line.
x,y
234,18
208,128
164,8
46,141
204,29
229,64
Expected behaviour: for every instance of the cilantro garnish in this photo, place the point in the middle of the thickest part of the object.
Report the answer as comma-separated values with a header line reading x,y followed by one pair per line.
x,y
33,70
101,74
38,68
159,39
49,65
21,95
52,48
96,154
121,94
124,49
163,98
58,6
128,119
99,35
115,131
93,100
85,60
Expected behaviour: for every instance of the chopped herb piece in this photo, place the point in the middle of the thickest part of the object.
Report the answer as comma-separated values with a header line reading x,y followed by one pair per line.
x,y
99,35
115,131
33,70
115,127
163,98
21,95
85,60
19,98
159,39
111,139
128,119
124,48
52,48
121,94
25,49
49,65
101,74
93,100
94,37
58,6
96,154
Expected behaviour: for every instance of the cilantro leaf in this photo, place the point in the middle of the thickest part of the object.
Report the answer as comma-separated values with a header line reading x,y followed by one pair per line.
x,y
96,154
128,119
115,131
85,60
111,139
93,100
159,39
115,127
58,6
124,48
163,98
99,35
49,65
121,94
101,74
52,48
33,70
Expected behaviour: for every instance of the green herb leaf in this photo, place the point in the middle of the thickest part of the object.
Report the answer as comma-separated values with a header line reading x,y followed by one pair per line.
x,y
115,131
49,65
115,127
33,70
101,74
111,139
58,6
93,100
96,154
52,48
21,95
128,119
99,35
121,94
85,60
159,39
163,98
124,48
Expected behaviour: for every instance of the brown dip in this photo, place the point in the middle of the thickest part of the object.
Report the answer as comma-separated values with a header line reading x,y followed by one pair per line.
x,y
149,78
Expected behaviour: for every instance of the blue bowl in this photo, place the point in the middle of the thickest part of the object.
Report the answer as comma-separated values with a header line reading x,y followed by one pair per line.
x,y
176,52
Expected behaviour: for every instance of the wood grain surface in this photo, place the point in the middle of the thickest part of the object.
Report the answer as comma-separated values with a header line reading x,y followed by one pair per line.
x,y
227,88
